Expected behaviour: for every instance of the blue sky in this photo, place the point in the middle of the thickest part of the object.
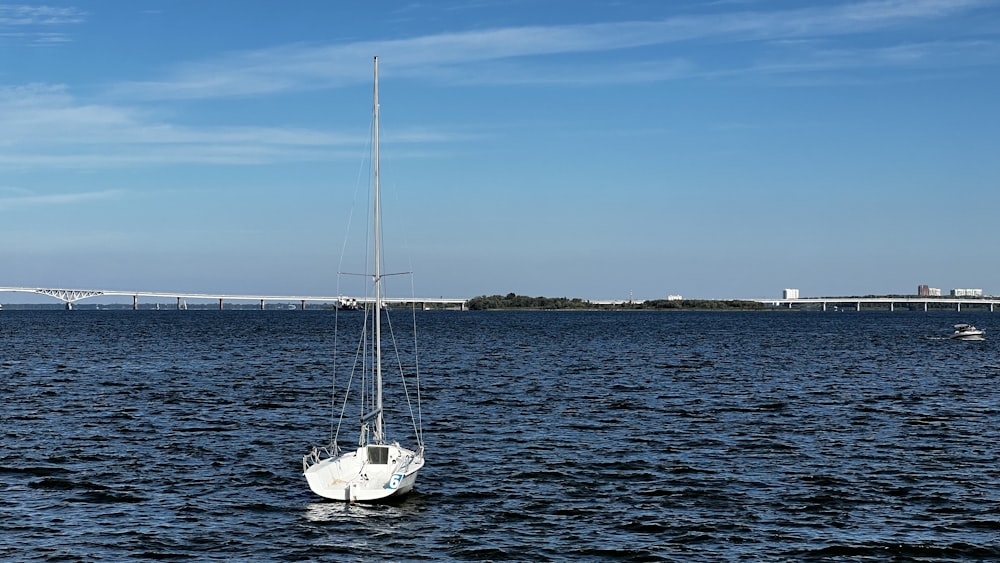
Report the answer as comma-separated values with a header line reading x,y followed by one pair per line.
x,y
581,148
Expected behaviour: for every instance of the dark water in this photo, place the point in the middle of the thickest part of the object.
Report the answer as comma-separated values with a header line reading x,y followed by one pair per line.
x,y
550,436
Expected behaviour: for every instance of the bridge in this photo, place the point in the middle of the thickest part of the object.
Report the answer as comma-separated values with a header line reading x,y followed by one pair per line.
x,y
70,296
890,303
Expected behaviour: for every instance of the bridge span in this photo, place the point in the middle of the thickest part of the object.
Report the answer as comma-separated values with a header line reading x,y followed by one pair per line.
x,y
70,296
890,303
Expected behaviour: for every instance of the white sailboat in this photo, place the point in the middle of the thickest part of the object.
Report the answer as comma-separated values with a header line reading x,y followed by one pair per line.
x,y
377,469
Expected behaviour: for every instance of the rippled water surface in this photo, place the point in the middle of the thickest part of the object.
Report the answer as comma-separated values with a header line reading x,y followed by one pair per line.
x,y
550,436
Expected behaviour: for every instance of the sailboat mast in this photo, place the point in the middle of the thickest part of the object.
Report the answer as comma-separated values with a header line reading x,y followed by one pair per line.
x,y
377,220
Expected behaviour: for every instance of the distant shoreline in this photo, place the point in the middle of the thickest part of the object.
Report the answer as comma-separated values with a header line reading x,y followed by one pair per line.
x,y
515,302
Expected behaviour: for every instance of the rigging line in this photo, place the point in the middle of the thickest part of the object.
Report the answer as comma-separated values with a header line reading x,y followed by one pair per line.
x,y
354,200
386,164
340,266
394,193
402,375
372,358
359,352
419,429
334,429
369,287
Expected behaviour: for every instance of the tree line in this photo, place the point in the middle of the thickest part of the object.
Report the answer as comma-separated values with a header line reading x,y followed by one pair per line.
x,y
514,301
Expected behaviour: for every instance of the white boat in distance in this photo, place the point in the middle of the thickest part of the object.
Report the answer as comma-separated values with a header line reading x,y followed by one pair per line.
x,y
965,331
377,469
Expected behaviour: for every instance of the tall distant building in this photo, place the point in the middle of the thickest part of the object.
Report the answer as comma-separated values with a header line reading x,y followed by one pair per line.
x,y
926,291
790,294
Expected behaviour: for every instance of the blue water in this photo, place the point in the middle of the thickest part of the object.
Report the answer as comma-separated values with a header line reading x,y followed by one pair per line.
x,y
645,436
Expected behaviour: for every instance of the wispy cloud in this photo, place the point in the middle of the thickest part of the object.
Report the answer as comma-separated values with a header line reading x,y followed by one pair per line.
x,y
33,24
16,197
816,65
44,125
477,56
23,14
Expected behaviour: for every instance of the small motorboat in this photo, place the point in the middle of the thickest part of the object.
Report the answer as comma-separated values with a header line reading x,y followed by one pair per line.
x,y
967,332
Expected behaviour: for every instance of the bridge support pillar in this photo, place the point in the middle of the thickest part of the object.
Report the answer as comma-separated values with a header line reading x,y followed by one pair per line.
x,y
925,306
892,306
824,306
178,303
220,303
958,307
857,306
69,305
135,302
261,304
302,305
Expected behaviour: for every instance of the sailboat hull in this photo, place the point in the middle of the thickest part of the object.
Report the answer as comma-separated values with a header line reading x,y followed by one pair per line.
x,y
371,473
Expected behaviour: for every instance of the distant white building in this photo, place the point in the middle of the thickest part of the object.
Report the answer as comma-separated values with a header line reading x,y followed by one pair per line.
x,y
790,294
966,293
675,298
